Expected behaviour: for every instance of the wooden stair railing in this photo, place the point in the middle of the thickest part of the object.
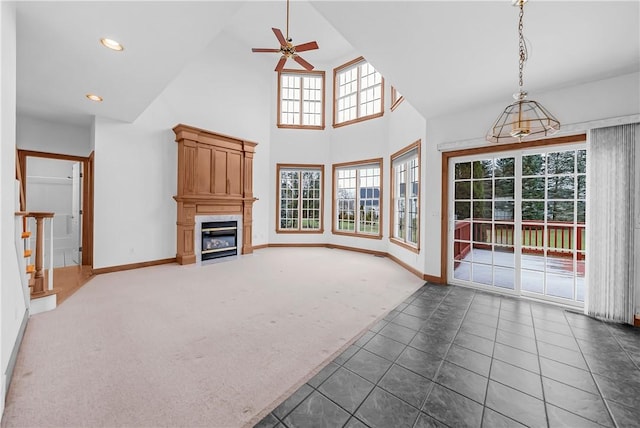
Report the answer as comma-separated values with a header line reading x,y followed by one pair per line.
x,y
37,282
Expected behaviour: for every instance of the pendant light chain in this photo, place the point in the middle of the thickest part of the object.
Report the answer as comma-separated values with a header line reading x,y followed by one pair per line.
x,y
522,46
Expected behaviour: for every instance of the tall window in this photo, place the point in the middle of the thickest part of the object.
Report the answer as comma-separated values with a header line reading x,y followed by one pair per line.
x,y
357,198
301,99
358,92
300,198
405,182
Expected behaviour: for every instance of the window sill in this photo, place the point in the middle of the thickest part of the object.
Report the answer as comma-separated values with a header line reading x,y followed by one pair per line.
x,y
356,235
413,249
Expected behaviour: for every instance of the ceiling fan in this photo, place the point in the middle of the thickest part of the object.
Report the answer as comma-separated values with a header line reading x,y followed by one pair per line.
x,y
287,48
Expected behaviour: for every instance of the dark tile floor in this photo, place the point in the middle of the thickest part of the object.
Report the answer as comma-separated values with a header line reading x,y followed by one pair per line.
x,y
452,356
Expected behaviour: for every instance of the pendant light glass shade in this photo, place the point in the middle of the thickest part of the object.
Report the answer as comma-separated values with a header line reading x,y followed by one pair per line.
x,y
521,119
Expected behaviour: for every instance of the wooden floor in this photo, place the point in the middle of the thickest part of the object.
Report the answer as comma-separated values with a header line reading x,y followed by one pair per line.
x,y
68,280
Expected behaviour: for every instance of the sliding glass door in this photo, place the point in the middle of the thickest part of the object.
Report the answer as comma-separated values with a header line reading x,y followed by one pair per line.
x,y
517,222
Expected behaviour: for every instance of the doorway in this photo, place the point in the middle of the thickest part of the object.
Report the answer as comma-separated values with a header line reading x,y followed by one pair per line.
x,y
516,222
62,184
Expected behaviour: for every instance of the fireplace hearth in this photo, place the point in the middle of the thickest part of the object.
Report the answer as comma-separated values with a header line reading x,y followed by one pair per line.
x,y
219,239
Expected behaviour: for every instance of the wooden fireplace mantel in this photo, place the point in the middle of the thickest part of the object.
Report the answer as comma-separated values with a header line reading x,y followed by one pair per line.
x,y
215,177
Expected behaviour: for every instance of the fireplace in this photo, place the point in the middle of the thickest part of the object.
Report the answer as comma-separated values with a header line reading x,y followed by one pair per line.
x,y
219,239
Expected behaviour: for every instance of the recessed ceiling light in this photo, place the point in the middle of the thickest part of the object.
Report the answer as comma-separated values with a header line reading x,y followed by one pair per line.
x,y
111,44
94,97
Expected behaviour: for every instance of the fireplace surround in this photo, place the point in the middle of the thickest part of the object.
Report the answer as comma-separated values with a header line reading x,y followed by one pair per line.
x,y
215,178
220,252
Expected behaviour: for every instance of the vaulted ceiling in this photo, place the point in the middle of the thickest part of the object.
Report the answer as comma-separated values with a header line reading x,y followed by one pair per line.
x,y
444,56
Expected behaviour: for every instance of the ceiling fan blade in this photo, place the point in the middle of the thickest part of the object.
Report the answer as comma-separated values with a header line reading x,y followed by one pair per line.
x,y
280,65
307,46
302,62
279,36
264,50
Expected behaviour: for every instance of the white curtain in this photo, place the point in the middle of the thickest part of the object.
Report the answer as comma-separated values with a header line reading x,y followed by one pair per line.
x,y
611,193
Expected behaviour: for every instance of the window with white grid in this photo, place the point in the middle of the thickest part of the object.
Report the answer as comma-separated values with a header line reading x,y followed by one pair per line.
x,y
358,92
300,198
405,183
357,198
301,99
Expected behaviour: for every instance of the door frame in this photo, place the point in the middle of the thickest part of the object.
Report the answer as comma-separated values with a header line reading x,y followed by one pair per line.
x,y
87,194
494,148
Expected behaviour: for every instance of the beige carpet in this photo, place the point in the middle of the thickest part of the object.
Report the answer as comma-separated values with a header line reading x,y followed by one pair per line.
x,y
215,346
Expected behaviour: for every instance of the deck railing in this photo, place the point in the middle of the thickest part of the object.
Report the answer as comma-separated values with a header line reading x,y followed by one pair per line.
x,y
562,238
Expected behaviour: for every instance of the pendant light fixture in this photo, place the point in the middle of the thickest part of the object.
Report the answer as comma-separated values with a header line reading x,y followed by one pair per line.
x,y
524,118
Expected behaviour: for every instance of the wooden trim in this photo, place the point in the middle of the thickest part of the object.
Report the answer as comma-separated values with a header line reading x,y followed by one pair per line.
x,y
356,164
636,321
324,92
357,235
395,100
48,155
19,177
417,145
130,266
494,148
297,245
434,279
260,247
404,245
444,215
87,194
357,250
337,70
358,120
281,166
88,209
414,271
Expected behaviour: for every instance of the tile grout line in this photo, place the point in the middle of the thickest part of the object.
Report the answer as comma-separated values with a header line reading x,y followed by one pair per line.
x,y
493,351
535,338
445,354
606,404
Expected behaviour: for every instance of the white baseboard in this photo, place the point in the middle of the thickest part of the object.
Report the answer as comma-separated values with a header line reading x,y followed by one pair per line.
x,y
43,304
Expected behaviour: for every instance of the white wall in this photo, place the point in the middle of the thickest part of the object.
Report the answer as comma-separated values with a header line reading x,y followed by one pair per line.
x,y
136,164
42,135
12,302
574,106
406,126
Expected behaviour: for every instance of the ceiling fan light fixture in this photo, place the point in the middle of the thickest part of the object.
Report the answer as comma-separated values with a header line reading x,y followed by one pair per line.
x,y
111,44
522,119
287,49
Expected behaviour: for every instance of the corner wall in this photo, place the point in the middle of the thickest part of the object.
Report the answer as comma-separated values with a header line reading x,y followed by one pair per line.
x,y
12,303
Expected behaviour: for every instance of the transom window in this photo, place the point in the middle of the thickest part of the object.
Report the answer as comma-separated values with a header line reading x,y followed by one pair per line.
x,y
357,198
405,182
358,92
300,198
301,99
